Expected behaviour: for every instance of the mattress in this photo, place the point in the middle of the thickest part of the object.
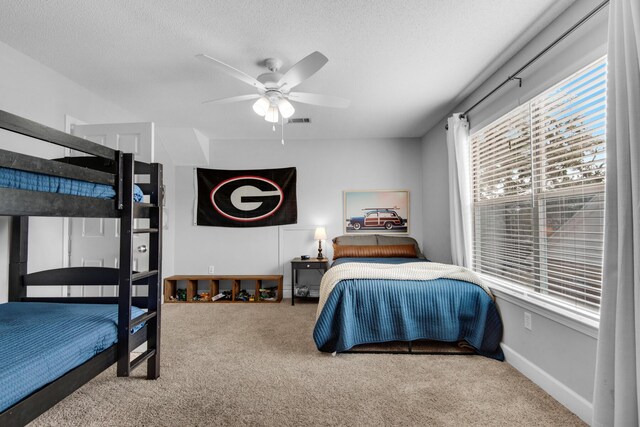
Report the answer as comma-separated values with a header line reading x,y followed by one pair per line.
x,y
364,311
40,342
22,180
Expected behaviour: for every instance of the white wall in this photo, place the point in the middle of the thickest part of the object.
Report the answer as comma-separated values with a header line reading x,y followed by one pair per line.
x,y
324,169
31,90
563,355
436,240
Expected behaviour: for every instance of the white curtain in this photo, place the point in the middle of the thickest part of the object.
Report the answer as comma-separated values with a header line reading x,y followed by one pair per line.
x,y
616,398
459,189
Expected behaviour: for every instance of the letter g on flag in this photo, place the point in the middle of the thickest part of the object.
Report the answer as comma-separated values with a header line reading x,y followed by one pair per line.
x,y
247,198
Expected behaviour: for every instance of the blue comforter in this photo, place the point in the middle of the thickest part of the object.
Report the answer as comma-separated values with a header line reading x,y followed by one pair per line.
x,y
22,180
40,342
361,311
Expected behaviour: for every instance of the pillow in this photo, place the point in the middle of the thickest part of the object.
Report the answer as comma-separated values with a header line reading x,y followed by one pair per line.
x,y
399,240
374,251
378,239
367,239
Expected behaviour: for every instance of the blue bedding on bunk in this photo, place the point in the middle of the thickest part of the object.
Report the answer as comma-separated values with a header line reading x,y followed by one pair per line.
x,y
22,180
40,342
361,311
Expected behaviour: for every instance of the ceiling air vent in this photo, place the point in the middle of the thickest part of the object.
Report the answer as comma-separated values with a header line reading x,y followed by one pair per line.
x,y
300,120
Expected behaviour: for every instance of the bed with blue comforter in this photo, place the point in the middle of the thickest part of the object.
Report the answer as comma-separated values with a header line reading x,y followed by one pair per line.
x,y
364,311
40,342
22,180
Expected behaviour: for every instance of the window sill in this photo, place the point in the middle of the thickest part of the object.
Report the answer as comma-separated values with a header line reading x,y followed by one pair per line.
x,y
573,317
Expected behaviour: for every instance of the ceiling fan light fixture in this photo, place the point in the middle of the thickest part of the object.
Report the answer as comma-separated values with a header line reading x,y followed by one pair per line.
x,y
272,115
286,109
261,106
274,88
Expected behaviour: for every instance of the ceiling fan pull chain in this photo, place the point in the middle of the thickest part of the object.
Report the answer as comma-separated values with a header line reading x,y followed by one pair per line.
x,y
282,130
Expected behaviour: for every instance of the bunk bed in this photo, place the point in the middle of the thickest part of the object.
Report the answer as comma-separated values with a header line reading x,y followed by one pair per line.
x,y
98,185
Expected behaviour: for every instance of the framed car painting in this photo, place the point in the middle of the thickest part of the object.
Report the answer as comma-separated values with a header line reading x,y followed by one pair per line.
x,y
376,212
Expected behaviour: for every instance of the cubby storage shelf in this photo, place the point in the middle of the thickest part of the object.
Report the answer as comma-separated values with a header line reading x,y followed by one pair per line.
x,y
171,287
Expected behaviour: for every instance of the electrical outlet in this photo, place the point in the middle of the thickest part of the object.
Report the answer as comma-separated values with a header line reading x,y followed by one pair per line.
x,y
211,269
527,320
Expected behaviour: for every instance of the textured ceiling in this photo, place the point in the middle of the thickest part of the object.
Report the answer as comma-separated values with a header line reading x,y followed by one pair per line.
x,y
402,63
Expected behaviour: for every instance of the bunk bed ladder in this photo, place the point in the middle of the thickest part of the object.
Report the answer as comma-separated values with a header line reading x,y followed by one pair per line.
x,y
128,278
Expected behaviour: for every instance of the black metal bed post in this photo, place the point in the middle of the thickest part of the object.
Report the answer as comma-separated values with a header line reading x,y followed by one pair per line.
x,y
119,184
126,265
18,256
155,263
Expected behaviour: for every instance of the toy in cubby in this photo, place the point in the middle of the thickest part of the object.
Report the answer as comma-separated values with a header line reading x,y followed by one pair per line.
x,y
269,294
243,295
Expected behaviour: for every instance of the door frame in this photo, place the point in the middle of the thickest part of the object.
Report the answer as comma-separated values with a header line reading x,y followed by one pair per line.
x,y
69,122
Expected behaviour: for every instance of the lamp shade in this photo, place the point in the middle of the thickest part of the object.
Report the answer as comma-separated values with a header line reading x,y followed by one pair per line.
x,y
261,106
272,115
321,234
286,109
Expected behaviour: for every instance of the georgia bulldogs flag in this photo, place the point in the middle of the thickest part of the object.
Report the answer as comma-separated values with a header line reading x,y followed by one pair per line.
x,y
246,198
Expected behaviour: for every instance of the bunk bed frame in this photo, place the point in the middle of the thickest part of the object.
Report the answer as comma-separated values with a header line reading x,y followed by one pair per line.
x,y
104,166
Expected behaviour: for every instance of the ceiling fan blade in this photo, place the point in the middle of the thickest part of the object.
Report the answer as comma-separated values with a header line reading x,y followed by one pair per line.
x,y
303,69
232,99
231,71
316,99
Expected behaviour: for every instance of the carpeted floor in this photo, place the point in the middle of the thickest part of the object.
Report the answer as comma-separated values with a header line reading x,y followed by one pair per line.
x,y
236,364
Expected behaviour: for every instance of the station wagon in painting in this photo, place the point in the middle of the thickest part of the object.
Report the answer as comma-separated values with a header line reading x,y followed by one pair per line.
x,y
377,218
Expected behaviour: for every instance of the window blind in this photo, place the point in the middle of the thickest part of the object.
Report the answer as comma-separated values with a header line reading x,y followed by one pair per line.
x,y
538,191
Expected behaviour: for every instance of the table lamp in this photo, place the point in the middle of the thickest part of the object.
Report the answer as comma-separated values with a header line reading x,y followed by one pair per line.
x,y
321,234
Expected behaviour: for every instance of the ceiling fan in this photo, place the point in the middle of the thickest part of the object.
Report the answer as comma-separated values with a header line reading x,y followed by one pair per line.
x,y
274,88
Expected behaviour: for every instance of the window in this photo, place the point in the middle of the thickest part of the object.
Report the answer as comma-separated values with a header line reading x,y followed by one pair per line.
x,y
538,191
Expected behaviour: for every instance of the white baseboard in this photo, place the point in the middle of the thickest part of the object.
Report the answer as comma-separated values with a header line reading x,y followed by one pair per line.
x,y
563,394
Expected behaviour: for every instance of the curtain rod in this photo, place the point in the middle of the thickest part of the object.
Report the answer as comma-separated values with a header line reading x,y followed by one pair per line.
x,y
514,76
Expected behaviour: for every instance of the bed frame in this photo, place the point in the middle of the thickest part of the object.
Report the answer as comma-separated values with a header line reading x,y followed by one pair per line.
x,y
104,166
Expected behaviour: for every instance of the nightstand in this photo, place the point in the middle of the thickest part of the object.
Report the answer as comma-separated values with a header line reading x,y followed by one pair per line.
x,y
306,264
